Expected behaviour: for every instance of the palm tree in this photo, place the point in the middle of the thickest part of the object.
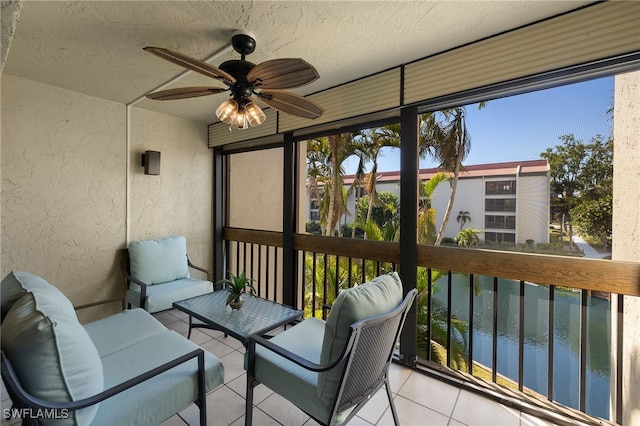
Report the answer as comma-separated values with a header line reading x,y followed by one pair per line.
x,y
426,213
448,141
463,217
374,139
331,152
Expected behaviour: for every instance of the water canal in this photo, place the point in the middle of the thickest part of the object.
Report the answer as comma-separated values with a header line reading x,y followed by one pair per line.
x,y
566,337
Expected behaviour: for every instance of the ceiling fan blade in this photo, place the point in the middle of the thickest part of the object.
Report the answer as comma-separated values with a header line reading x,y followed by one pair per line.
x,y
290,103
192,64
282,73
184,93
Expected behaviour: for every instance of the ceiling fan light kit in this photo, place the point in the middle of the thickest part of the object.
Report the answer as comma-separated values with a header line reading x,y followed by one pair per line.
x,y
266,81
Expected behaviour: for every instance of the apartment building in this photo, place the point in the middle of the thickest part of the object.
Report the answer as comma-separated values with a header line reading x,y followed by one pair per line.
x,y
508,202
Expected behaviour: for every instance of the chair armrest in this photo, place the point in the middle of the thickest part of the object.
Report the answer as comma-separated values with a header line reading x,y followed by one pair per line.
x,y
26,400
124,268
198,268
296,359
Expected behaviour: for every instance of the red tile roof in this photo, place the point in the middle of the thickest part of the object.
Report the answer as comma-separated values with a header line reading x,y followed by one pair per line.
x,y
476,170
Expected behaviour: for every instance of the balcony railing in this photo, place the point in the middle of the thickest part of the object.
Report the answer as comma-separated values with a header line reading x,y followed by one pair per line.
x,y
451,282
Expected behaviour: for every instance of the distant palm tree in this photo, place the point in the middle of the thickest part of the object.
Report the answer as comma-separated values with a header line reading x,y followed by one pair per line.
x,y
328,154
374,139
463,217
426,213
449,142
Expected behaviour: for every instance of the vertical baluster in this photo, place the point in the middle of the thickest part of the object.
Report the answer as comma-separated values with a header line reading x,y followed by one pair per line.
x,y
552,296
259,281
324,281
349,276
619,357
244,257
266,272
251,272
314,282
521,339
237,258
275,274
470,339
364,273
583,349
337,281
378,269
429,288
494,367
449,292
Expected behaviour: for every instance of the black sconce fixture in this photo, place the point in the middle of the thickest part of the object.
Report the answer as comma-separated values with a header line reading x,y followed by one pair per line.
x,y
151,162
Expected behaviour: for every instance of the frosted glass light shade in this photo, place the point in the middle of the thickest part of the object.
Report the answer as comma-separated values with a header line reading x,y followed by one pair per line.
x,y
227,111
254,114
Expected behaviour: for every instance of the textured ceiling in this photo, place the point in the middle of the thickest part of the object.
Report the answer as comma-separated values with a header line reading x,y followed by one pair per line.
x,y
95,47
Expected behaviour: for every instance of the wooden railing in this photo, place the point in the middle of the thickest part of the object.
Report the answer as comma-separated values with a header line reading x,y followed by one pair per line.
x,y
355,260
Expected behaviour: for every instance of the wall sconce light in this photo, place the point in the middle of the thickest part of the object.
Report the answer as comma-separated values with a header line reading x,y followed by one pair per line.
x,y
151,162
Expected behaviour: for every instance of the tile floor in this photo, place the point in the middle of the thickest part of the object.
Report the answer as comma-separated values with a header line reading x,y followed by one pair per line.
x,y
420,400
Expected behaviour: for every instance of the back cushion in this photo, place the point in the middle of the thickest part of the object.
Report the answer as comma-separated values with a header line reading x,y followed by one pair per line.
x,y
16,284
378,296
52,354
159,261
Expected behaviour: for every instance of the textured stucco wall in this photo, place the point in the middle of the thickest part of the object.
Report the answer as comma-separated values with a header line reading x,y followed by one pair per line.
x,y
178,201
66,195
626,227
63,187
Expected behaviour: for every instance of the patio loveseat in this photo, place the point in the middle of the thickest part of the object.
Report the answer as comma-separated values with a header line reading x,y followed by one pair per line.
x,y
124,369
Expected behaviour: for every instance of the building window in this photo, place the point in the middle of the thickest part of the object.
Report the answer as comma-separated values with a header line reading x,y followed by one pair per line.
x,y
500,237
501,187
500,222
500,204
314,215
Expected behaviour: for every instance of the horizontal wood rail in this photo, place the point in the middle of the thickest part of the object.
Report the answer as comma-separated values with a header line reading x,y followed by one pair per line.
x,y
609,276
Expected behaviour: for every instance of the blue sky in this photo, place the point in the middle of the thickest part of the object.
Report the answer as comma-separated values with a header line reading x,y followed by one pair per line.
x,y
520,127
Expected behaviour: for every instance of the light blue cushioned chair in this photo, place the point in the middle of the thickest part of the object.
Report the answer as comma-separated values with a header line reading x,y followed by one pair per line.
x,y
330,369
157,273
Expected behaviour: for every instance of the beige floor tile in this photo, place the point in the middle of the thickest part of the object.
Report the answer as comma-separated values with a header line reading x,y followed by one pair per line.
x,y
233,366
430,392
217,348
173,421
259,419
398,374
239,385
413,414
224,407
198,337
375,408
474,410
455,423
283,411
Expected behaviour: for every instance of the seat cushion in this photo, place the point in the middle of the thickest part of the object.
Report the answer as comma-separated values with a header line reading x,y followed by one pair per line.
x,y
160,397
118,331
52,354
16,284
159,261
293,382
162,296
375,297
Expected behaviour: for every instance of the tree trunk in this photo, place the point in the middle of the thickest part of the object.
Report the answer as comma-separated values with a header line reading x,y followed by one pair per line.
x,y
447,213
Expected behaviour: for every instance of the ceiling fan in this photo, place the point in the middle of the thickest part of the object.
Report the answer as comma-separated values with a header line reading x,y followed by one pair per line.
x,y
244,79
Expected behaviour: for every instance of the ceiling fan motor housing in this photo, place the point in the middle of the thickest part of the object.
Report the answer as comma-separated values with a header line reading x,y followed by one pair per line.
x,y
243,42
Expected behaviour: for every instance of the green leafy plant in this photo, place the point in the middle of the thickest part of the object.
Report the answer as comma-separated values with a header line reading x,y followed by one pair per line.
x,y
236,285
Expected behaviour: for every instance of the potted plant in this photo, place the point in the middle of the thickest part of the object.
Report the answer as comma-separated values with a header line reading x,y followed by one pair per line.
x,y
237,285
